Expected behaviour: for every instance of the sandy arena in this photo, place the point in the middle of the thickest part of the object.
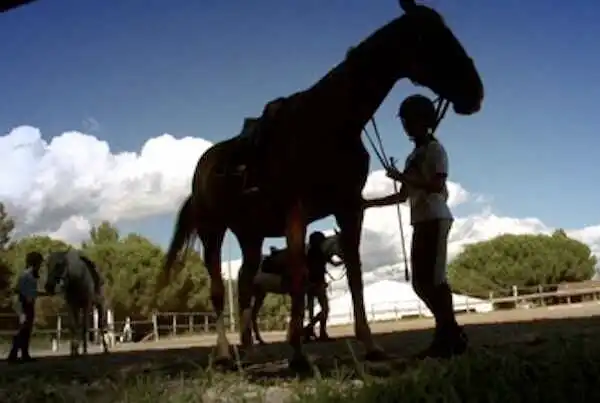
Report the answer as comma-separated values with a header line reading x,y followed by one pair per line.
x,y
399,339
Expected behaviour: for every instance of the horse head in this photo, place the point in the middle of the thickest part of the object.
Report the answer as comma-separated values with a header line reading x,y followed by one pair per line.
x,y
436,59
57,270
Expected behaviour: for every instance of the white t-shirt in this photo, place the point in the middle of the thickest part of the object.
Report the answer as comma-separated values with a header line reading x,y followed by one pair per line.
x,y
425,162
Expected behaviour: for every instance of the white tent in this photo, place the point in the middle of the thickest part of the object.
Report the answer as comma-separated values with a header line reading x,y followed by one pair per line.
x,y
389,300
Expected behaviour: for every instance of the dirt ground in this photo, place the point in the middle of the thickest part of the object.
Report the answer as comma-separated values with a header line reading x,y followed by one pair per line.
x,y
399,339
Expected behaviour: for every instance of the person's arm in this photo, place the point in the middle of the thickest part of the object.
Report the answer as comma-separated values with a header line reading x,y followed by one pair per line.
x,y
392,199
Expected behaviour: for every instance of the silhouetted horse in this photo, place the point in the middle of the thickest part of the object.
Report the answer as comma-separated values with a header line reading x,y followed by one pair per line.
x,y
273,277
317,165
77,277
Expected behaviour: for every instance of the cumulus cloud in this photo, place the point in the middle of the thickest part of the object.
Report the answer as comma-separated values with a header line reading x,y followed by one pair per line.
x,y
64,186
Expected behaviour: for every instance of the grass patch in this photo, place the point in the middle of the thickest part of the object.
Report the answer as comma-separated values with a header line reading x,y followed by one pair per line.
x,y
552,370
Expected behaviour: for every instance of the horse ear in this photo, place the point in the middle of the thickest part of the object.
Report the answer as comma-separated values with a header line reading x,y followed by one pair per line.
x,y
407,5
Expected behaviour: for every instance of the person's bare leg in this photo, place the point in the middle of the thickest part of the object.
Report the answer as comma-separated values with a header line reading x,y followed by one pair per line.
x,y
430,283
324,314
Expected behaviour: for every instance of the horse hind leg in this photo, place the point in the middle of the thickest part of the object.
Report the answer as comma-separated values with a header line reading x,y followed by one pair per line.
x,y
259,299
295,235
251,255
212,242
85,334
102,325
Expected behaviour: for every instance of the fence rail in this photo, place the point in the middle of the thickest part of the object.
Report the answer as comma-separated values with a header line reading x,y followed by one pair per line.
x,y
169,324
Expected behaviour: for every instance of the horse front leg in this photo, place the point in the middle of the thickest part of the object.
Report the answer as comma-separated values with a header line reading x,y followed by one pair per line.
x,y
295,237
74,330
350,223
102,325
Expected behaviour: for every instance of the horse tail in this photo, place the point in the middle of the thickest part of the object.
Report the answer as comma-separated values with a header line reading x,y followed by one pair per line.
x,y
183,234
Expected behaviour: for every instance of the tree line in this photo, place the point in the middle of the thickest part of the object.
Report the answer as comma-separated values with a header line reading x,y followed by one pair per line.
x,y
131,266
524,261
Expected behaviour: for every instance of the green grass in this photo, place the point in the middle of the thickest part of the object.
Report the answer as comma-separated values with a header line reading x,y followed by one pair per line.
x,y
549,370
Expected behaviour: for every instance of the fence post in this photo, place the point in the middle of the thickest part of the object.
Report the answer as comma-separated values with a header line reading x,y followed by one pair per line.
x,y
174,324
205,323
191,323
155,325
515,294
467,306
58,331
96,325
110,324
542,299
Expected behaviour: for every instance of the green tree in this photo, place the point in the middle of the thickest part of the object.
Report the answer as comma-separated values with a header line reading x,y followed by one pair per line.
x,y
7,226
521,260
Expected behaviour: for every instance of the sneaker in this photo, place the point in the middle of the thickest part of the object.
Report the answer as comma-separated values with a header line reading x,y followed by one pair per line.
x,y
309,334
446,345
324,337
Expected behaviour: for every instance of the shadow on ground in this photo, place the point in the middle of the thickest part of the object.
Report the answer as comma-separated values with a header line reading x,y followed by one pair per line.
x,y
332,358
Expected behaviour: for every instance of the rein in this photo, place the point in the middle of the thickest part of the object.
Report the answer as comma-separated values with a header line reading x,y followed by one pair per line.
x,y
440,110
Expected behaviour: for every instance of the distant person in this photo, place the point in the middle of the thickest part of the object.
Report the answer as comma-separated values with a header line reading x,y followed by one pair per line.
x,y
317,270
424,186
24,304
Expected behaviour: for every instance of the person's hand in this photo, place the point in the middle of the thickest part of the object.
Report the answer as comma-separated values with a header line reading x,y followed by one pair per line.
x,y
393,173
22,318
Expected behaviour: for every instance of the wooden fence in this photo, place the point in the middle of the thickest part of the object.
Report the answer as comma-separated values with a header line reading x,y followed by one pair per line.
x,y
171,324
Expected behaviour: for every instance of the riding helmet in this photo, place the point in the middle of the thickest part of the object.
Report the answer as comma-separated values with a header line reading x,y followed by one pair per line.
x,y
418,106
316,237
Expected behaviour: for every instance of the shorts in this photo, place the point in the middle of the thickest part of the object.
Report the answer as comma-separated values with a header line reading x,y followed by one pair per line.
x,y
429,251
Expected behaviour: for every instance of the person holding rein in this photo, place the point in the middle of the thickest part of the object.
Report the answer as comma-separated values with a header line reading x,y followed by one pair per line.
x,y
26,293
424,187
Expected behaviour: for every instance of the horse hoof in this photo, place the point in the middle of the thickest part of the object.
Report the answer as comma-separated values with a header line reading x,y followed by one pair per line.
x,y
376,355
300,365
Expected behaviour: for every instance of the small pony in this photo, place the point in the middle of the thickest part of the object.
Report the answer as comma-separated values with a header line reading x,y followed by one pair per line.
x,y
77,277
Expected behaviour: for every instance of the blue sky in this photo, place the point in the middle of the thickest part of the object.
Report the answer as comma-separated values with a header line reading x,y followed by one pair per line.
x,y
190,67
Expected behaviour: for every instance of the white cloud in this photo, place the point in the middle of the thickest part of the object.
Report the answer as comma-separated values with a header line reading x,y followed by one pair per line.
x,y
64,186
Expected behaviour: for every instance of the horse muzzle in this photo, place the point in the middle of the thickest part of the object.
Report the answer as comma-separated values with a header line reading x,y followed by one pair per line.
x,y
467,108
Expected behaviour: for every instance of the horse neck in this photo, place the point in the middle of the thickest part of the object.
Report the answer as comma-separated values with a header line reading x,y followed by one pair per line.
x,y
360,83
